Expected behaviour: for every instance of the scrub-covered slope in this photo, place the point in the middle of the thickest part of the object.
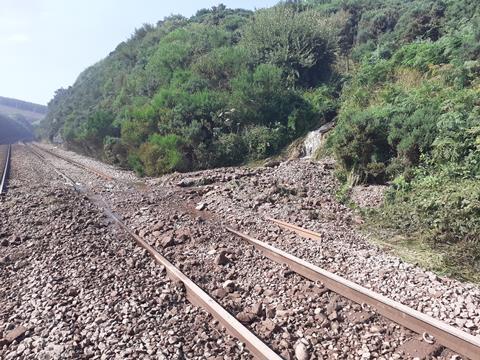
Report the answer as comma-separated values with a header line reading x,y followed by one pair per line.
x,y
401,79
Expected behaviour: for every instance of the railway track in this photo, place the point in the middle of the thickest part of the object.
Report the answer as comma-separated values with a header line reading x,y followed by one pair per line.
x,y
79,165
195,294
430,328
5,151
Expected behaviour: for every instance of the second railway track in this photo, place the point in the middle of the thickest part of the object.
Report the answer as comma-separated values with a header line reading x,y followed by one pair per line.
x,y
310,321
5,151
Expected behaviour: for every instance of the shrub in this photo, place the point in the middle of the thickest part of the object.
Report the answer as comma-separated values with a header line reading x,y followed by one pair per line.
x,y
421,55
95,129
221,65
443,213
114,151
262,141
162,154
230,149
299,42
136,164
261,97
360,143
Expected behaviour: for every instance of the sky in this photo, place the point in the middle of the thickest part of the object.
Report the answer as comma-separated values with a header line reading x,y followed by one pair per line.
x,y
45,44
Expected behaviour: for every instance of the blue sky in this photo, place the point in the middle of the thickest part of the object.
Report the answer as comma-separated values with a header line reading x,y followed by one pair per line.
x,y
45,44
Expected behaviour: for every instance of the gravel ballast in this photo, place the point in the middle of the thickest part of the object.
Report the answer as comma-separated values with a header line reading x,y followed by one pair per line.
x,y
74,286
299,191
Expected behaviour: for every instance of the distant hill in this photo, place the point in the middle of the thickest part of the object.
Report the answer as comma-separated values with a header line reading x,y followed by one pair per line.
x,y
17,118
18,109
12,130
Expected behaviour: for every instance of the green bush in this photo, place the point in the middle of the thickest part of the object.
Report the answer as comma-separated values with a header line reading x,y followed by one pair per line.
x,y
298,42
231,149
421,55
114,151
262,141
440,211
361,145
136,164
221,65
162,154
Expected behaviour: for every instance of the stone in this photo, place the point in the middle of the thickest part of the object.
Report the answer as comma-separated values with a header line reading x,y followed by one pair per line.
x,y
5,260
257,309
270,312
470,324
360,317
376,329
246,317
13,335
219,293
172,340
167,240
333,316
271,163
301,351
221,258
415,348
258,289
183,234
270,325
200,206
229,286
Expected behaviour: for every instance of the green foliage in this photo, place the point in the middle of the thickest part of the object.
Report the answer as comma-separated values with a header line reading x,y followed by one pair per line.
x,y
262,141
221,65
421,55
400,78
360,142
298,42
442,213
231,149
261,97
161,154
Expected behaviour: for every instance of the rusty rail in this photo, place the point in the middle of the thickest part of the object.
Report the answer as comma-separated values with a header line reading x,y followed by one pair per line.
x,y
297,229
200,298
5,171
195,294
77,164
450,337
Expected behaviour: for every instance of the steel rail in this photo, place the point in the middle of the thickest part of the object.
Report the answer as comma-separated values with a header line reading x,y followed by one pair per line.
x,y
44,159
195,294
454,339
200,298
300,231
76,163
3,183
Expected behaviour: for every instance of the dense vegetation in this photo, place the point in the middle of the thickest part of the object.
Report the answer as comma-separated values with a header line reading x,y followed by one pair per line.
x,y
410,115
220,88
401,78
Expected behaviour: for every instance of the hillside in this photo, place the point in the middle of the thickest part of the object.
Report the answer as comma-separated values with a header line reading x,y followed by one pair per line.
x,y
13,108
224,87
17,119
13,130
